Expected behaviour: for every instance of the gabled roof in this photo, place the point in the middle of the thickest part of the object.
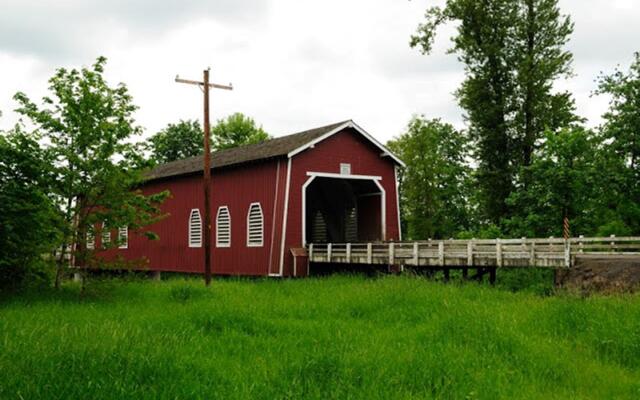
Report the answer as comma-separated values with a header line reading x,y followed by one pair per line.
x,y
289,146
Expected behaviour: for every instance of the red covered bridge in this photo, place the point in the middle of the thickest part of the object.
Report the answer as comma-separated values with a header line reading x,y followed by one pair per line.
x,y
335,183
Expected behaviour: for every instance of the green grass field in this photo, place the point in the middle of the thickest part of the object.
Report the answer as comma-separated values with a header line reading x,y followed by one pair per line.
x,y
336,337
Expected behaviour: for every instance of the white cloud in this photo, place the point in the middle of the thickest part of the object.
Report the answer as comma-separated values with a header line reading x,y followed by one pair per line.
x,y
294,65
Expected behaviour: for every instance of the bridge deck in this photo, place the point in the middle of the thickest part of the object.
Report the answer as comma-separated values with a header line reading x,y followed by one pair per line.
x,y
550,253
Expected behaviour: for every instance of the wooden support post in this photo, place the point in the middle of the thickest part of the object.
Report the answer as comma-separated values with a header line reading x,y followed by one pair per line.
x,y
416,254
498,252
311,252
447,274
441,253
465,273
329,252
492,275
156,276
369,253
392,255
470,253
348,253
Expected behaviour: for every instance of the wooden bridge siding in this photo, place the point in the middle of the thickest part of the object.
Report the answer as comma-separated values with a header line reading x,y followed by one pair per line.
x,y
550,253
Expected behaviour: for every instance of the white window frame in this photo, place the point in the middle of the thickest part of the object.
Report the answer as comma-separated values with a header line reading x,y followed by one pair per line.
x,y
218,242
345,169
192,242
123,237
261,243
91,240
106,236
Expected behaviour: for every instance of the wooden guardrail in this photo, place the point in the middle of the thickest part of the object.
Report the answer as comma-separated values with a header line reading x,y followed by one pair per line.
x,y
550,252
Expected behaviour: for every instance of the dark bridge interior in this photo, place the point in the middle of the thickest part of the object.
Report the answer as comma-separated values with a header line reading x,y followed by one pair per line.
x,y
343,210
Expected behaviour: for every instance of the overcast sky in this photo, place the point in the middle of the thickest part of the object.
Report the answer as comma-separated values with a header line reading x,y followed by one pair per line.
x,y
294,64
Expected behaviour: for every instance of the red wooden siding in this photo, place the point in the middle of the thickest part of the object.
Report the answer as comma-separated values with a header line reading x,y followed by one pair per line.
x,y
344,147
264,182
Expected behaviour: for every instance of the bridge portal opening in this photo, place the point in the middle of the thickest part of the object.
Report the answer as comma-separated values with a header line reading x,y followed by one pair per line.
x,y
342,210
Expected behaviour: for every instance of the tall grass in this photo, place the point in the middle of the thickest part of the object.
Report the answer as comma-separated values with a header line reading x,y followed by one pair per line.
x,y
335,337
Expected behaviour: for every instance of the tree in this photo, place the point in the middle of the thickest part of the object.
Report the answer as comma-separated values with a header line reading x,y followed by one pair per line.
x,y
88,128
562,182
236,130
513,53
177,141
621,131
29,221
435,184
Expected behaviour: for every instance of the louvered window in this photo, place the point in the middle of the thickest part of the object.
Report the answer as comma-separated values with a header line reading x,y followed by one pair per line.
x,y
91,240
255,226
319,231
223,227
351,225
106,236
123,238
195,228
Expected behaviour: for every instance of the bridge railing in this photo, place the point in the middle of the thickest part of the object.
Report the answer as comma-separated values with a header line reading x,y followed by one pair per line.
x,y
523,252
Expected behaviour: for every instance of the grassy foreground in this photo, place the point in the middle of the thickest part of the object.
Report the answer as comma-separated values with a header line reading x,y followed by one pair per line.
x,y
337,337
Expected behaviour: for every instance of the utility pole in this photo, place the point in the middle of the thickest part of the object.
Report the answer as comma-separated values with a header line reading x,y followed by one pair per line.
x,y
205,86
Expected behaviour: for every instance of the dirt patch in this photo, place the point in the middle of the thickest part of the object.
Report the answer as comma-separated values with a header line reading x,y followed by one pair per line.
x,y
604,275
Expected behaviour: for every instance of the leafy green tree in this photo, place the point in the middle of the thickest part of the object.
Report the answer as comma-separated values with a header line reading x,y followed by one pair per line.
x,y
29,220
236,130
513,53
561,183
434,186
88,128
622,133
177,141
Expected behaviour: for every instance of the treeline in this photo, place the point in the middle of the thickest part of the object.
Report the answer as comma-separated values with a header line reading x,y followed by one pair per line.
x,y
525,161
74,173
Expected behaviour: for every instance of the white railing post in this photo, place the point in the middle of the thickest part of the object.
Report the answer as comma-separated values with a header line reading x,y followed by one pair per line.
x,y
311,252
392,253
567,253
470,253
613,243
369,253
532,255
329,252
441,253
498,253
349,253
416,254
581,245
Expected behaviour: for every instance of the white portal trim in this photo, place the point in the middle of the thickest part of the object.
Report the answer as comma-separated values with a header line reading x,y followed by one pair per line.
x,y
348,124
344,176
374,179
304,207
395,175
284,217
383,208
